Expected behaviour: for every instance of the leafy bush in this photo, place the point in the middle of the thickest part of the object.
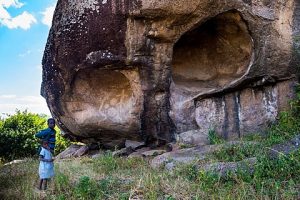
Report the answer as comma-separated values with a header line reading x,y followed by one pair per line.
x,y
17,132
61,143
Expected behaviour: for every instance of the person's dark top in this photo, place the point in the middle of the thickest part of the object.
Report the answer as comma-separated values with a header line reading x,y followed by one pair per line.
x,y
49,135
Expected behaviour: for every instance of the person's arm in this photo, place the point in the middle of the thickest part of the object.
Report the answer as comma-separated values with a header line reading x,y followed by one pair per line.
x,y
45,160
42,133
42,156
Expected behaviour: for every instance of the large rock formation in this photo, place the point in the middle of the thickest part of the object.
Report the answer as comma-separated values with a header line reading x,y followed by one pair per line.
x,y
148,69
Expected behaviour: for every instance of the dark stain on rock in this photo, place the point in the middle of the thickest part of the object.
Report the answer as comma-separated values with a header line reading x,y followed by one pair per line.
x,y
231,126
249,2
225,126
236,100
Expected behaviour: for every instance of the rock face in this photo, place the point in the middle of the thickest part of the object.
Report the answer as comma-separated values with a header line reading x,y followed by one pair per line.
x,y
148,69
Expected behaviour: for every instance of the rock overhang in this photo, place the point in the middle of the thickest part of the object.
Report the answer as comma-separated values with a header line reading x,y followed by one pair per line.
x,y
144,45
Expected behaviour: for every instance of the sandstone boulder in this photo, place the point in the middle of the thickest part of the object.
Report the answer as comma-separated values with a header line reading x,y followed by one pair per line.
x,y
225,168
123,152
134,144
286,148
183,156
145,70
73,151
153,153
193,137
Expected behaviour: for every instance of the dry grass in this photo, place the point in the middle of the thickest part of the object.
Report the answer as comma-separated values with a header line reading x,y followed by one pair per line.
x,y
120,178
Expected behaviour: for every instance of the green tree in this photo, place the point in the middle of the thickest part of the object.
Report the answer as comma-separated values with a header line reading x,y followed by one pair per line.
x,y
17,132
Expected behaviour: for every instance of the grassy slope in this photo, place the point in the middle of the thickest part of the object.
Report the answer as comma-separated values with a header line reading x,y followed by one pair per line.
x,y
120,178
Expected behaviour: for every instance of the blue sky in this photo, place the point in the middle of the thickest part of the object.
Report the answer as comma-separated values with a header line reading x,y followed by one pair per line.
x,y
24,28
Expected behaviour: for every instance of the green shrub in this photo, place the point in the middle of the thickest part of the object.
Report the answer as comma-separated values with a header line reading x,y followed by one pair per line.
x,y
86,189
17,138
282,168
61,143
17,134
286,128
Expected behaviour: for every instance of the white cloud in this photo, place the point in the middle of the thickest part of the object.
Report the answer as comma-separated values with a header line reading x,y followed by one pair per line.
x,y
4,14
7,96
48,15
25,53
9,3
31,99
23,21
9,103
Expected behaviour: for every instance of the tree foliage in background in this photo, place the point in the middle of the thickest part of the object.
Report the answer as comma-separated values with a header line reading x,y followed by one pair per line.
x,y
17,138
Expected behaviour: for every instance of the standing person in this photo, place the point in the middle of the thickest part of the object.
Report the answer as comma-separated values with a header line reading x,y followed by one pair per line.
x,y
48,134
46,167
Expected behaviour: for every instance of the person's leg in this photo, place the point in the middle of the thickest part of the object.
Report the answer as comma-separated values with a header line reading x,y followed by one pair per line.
x,y
41,184
45,184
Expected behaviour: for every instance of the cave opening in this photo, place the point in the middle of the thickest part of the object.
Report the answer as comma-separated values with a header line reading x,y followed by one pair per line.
x,y
102,103
213,54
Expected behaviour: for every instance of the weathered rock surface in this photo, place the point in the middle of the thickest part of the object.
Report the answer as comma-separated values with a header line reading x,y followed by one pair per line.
x,y
147,69
139,152
286,148
153,153
134,144
183,156
123,152
224,168
73,151
193,137
172,159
